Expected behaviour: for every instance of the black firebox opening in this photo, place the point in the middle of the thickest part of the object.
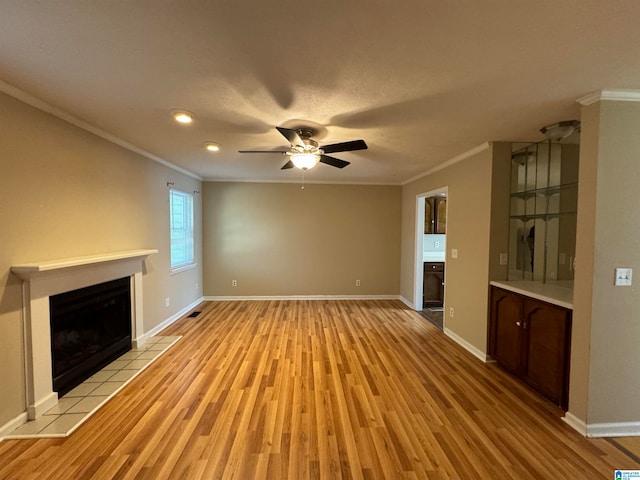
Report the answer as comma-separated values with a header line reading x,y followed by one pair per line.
x,y
90,327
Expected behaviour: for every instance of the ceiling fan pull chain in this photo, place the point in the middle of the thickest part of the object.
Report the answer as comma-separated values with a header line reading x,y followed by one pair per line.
x,y
302,187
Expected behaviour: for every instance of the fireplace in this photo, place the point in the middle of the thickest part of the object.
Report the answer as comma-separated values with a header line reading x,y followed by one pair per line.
x,y
46,279
90,327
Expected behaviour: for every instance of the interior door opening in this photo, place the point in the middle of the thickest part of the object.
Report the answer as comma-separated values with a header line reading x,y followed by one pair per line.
x,y
430,255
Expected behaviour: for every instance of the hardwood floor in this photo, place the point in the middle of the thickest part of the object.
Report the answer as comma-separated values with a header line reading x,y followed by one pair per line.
x,y
317,389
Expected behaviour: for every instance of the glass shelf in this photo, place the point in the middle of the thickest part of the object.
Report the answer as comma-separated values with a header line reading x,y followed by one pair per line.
x,y
542,217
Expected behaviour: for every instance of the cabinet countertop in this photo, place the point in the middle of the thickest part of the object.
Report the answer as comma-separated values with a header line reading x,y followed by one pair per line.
x,y
554,293
433,257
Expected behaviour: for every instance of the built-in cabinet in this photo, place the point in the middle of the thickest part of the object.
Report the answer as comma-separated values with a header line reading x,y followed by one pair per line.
x,y
531,339
433,285
435,215
543,212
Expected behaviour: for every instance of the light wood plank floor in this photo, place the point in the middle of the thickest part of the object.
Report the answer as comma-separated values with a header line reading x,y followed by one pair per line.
x,y
317,389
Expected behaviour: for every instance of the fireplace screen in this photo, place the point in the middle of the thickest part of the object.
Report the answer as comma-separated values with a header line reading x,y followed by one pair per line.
x,y
90,327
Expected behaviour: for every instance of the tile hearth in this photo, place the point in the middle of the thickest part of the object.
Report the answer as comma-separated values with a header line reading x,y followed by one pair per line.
x,y
81,402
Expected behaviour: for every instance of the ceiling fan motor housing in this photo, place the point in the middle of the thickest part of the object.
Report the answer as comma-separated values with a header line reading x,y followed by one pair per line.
x,y
305,151
305,132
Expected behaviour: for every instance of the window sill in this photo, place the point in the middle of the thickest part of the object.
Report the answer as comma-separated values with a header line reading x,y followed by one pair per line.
x,y
182,268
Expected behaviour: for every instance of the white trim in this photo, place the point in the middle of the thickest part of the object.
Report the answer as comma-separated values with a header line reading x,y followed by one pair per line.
x,y
42,405
26,270
306,181
597,430
407,303
182,268
611,94
575,423
466,345
62,115
458,158
142,339
617,429
302,297
547,292
418,259
11,425
590,98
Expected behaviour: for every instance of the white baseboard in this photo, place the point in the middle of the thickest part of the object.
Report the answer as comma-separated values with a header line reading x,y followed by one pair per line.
x,y
617,429
466,345
142,339
575,423
302,297
42,405
614,429
407,303
11,425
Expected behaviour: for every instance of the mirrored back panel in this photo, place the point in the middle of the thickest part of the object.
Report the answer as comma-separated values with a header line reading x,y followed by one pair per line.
x,y
544,200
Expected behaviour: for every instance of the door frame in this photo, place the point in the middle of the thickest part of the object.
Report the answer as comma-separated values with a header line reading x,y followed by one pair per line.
x,y
418,253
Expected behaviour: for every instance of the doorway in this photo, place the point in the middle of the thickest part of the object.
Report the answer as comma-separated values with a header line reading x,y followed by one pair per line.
x,y
430,255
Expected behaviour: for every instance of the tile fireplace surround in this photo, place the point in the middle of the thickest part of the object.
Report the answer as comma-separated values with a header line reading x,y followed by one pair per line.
x,y
40,280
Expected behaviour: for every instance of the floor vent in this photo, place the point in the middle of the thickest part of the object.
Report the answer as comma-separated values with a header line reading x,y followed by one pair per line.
x,y
193,314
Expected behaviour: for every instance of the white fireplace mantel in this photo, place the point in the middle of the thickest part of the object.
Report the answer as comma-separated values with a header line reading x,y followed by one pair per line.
x,y
27,270
40,280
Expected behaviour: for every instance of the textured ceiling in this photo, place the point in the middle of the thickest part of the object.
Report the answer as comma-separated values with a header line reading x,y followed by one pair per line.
x,y
420,81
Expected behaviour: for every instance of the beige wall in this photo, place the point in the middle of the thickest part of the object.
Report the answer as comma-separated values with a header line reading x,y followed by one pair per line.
x,y
68,193
500,205
469,231
583,278
606,317
280,240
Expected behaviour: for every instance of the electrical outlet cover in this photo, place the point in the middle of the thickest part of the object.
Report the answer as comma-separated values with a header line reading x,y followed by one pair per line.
x,y
623,277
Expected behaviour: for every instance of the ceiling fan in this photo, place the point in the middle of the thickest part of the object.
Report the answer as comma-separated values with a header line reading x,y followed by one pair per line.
x,y
305,153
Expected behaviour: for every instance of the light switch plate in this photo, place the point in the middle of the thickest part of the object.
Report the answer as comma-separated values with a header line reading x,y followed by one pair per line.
x,y
454,253
623,277
504,259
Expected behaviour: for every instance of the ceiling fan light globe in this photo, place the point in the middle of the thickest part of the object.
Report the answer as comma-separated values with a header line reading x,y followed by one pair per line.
x,y
304,161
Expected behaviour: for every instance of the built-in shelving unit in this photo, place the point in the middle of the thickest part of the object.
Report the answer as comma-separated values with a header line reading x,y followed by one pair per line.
x,y
543,212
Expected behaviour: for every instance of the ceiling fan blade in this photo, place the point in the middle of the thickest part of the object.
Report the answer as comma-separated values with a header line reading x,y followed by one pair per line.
x,y
345,146
291,135
263,151
287,165
334,162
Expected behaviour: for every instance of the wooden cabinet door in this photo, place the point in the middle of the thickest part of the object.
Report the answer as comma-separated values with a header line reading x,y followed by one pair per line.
x,y
547,346
433,285
429,215
441,215
506,315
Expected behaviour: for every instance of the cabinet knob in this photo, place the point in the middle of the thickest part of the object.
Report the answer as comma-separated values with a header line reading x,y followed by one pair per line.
x,y
518,324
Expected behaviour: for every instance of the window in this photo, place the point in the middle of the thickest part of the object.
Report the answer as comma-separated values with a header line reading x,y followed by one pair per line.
x,y
181,220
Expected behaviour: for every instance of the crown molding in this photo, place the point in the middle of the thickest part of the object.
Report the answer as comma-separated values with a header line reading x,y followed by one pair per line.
x,y
458,158
299,182
62,115
610,94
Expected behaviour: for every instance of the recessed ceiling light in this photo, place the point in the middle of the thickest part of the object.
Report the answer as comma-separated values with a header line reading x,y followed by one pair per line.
x,y
182,116
212,146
